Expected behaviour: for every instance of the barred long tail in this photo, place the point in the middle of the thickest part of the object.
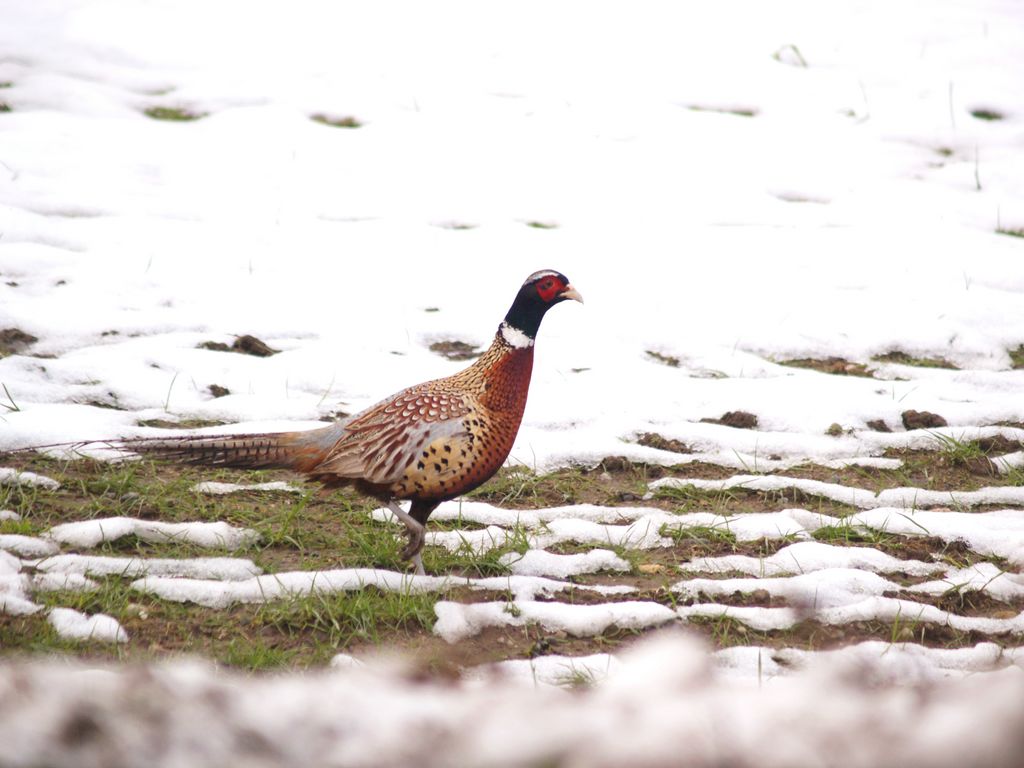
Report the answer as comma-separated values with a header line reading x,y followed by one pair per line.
x,y
300,451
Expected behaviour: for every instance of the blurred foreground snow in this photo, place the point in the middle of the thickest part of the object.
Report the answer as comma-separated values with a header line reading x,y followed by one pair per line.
x,y
663,705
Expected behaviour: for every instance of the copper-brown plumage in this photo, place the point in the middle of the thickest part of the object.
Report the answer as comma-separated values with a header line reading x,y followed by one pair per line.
x,y
426,444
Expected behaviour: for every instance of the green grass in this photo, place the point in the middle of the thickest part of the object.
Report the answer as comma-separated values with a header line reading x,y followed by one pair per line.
x,y
902,358
692,499
173,114
670,360
704,536
343,618
336,122
846,533
521,487
958,450
1017,355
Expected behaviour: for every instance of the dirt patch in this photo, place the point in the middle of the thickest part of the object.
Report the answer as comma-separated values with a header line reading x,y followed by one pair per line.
x,y
216,390
455,350
735,419
14,340
654,440
336,122
246,345
878,425
936,470
902,358
670,360
836,366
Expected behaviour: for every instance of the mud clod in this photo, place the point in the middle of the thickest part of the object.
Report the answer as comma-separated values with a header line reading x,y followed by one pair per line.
x,y
922,420
247,345
735,419
654,440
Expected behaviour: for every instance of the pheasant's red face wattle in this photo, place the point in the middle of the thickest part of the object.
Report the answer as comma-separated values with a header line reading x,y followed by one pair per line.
x,y
549,288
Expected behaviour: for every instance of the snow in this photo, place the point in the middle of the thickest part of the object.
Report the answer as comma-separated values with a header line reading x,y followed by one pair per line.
x,y
77,626
219,489
856,497
89,533
224,568
981,577
826,588
538,562
10,476
808,556
26,546
663,703
554,670
292,584
844,607
50,582
457,621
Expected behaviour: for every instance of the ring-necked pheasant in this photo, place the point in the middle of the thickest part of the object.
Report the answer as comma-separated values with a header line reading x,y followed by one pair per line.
x,y
428,443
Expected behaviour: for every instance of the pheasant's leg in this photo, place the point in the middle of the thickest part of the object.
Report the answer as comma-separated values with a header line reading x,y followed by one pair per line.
x,y
417,536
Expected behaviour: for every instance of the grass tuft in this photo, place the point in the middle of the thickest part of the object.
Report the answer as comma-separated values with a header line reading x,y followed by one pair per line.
x,y
336,122
174,114
900,357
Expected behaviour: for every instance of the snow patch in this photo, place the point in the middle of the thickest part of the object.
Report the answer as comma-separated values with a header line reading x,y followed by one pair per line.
x,y
223,568
27,546
10,476
457,621
808,556
538,562
89,533
74,625
220,489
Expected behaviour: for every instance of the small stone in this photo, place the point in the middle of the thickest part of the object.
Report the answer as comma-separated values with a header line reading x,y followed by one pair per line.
x,y
218,391
878,425
834,430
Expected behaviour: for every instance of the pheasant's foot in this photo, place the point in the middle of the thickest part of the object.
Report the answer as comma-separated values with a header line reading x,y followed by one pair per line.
x,y
417,535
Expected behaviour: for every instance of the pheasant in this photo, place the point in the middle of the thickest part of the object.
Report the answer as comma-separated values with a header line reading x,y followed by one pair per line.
x,y
426,444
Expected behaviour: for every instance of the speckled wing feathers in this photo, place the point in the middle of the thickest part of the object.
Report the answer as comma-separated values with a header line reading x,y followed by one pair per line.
x,y
382,442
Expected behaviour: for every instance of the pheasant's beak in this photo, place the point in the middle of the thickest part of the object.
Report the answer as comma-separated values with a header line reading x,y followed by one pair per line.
x,y
571,293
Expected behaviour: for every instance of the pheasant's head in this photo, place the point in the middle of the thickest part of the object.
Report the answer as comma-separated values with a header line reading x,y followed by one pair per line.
x,y
541,291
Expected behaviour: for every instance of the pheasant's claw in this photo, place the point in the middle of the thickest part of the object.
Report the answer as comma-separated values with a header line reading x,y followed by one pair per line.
x,y
417,537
